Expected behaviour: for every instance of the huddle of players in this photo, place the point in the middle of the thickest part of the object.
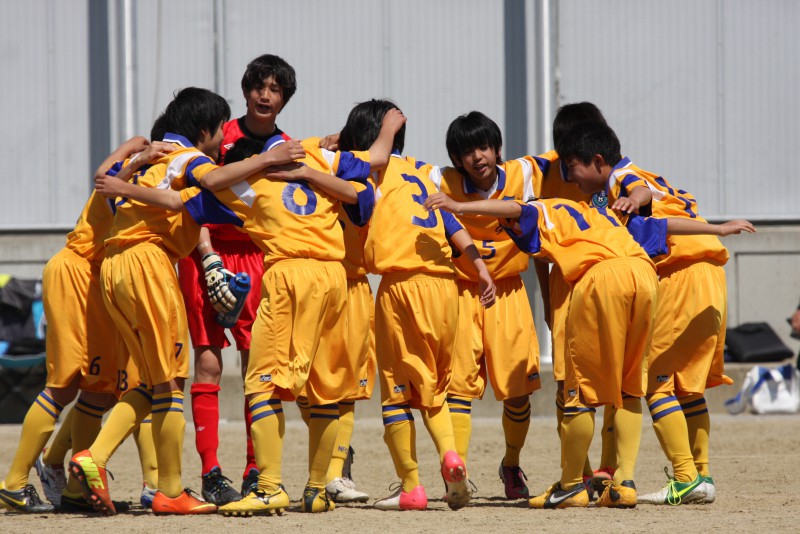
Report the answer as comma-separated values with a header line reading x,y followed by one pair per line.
x,y
322,219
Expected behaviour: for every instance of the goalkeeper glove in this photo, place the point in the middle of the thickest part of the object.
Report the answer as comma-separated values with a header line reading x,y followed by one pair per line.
x,y
217,280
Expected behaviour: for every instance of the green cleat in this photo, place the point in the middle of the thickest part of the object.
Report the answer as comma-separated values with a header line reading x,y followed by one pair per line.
x,y
675,493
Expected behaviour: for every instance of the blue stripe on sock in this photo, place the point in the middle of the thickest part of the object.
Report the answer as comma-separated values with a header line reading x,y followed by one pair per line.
x,y
660,402
266,413
462,402
694,414
668,411
90,414
694,404
458,410
387,420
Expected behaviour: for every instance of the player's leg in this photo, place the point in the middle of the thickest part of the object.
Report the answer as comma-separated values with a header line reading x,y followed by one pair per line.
x,y
50,464
143,436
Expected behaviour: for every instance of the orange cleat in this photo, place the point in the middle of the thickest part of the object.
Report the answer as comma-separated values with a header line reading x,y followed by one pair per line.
x,y
93,481
183,504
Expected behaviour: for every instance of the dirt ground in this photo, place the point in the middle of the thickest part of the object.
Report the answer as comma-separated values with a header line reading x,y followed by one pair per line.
x,y
754,463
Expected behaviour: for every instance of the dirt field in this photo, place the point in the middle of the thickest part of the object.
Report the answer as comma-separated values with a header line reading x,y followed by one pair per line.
x,y
754,462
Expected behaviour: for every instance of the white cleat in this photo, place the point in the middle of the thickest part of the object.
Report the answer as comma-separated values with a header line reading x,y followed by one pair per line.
x,y
709,488
53,478
343,490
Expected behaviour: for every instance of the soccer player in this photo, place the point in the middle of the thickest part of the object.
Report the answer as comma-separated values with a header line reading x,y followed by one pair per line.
x,y
608,326
147,309
299,332
414,340
268,84
686,355
83,349
499,341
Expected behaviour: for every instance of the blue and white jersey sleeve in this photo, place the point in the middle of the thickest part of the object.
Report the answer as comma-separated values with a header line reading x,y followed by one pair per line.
x,y
451,224
525,232
650,233
205,208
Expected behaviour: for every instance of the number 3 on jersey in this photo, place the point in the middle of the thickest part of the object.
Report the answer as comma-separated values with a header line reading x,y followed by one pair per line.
x,y
431,220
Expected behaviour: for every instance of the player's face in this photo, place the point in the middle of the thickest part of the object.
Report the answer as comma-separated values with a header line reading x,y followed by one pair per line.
x,y
264,103
209,144
480,164
587,176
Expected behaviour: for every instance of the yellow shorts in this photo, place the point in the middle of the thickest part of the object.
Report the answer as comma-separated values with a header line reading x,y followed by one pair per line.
x,y
140,289
416,318
499,341
560,291
608,332
81,337
299,335
686,354
361,336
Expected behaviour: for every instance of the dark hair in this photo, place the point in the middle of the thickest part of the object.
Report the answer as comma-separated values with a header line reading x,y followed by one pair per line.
x,y
471,131
192,111
584,142
243,149
364,124
266,66
570,116
159,128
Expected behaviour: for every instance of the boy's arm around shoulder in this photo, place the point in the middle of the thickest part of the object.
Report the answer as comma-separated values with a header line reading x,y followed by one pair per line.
x,y
381,149
233,173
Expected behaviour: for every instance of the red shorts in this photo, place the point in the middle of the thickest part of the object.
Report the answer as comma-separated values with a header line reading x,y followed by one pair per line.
x,y
237,256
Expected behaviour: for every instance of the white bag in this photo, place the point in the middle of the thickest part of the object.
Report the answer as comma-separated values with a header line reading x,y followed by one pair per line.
x,y
768,391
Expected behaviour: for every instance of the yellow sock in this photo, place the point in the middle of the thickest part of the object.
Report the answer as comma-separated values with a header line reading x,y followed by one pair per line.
x,y
440,427
461,417
143,435
305,409
168,429
671,430
577,431
627,424
86,422
267,431
608,454
515,427
347,411
36,429
323,426
587,465
698,422
62,442
131,409
400,436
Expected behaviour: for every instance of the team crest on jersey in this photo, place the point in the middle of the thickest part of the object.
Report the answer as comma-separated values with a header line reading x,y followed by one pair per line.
x,y
600,199
265,378
572,392
399,388
532,377
362,383
662,379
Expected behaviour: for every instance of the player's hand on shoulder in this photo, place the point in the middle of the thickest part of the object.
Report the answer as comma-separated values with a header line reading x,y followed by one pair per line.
x,y
135,144
287,172
440,201
330,142
286,152
625,206
107,185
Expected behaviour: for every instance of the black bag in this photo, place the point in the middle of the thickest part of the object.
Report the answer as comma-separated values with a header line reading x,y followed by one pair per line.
x,y
755,343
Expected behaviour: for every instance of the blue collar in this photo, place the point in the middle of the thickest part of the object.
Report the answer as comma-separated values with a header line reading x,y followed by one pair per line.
x,y
624,162
470,188
170,137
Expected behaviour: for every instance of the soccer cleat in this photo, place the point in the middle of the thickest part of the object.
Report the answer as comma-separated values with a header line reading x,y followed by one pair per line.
x,y
258,503
147,496
555,497
587,483
675,492
709,488
216,489
93,481
343,490
26,501
183,504
415,499
53,479
454,473
599,478
622,496
514,480
316,500
250,482
79,505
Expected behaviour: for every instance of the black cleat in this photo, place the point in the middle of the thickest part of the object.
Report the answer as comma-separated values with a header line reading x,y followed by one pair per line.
x,y
250,482
26,501
216,489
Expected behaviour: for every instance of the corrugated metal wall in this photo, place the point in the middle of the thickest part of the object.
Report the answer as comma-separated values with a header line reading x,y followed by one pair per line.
x,y
702,91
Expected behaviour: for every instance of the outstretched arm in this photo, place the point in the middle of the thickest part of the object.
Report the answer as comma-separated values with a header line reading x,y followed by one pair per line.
x,y
112,187
233,173
334,186
131,146
681,226
502,209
